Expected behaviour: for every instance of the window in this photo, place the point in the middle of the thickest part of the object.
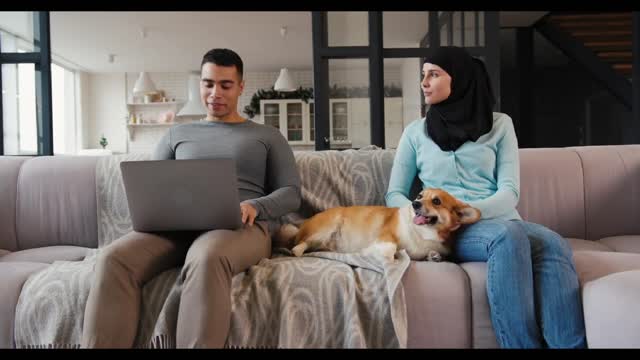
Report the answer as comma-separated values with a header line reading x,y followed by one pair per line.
x,y
26,118
19,107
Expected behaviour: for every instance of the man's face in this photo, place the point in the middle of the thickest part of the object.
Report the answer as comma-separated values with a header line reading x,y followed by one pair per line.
x,y
220,87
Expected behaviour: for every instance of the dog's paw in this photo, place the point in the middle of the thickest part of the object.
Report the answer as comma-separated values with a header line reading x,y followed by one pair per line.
x,y
299,249
434,256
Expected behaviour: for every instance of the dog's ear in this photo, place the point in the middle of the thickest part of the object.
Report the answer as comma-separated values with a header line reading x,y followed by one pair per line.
x,y
467,214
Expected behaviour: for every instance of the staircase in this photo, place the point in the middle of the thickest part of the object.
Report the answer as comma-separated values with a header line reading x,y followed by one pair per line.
x,y
600,42
607,34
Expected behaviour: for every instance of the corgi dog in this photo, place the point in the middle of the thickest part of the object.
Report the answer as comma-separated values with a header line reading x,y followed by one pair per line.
x,y
423,228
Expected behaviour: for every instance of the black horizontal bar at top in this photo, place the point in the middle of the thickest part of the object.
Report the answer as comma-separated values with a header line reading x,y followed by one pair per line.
x,y
422,52
341,52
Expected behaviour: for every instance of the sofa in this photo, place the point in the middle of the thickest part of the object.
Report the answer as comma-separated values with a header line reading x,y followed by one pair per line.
x,y
50,213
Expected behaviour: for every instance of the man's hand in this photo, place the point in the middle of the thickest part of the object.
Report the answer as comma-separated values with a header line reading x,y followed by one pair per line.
x,y
249,213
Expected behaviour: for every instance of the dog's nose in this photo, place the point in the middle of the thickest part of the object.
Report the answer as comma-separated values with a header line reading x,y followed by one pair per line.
x,y
416,204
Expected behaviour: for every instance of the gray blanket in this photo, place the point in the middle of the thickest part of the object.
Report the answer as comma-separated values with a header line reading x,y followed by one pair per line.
x,y
320,300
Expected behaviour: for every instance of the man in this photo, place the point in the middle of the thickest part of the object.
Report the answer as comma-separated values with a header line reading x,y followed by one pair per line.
x,y
269,186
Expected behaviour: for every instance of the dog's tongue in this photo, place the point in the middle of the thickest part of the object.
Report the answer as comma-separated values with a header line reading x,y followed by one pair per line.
x,y
420,220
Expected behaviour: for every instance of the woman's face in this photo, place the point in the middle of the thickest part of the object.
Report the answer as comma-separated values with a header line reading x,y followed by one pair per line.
x,y
436,84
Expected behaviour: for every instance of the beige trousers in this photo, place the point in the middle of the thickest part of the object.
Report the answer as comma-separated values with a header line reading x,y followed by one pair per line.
x,y
210,259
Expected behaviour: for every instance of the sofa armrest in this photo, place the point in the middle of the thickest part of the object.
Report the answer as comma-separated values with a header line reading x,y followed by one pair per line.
x,y
611,315
592,265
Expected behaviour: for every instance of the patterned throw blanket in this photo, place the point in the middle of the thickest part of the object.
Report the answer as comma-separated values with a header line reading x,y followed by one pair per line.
x,y
321,300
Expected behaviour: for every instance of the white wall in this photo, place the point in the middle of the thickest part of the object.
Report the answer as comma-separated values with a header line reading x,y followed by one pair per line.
x,y
107,111
348,28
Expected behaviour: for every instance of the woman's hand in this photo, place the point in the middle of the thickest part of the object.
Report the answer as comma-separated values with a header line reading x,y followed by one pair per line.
x,y
249,213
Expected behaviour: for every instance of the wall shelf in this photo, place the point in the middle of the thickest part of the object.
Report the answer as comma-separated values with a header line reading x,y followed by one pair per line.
x,y
151,113
179,102
155,124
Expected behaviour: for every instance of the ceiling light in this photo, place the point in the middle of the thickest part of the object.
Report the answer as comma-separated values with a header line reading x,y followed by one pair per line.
x,y
284,82
143,85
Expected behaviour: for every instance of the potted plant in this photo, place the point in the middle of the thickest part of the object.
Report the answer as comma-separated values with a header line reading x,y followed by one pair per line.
x,y
103,142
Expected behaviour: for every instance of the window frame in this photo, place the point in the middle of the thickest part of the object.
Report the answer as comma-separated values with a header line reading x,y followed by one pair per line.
x,y
41,58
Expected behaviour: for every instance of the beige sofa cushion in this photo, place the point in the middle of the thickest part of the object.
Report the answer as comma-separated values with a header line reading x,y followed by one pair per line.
x,y
581,244
56,203
484,336
551,191
611,315
611,190
437,297
47,254
625,243
9,173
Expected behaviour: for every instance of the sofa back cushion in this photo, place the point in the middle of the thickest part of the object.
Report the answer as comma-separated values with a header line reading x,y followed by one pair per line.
x,y
552,190
342,178
585,192
612,190
9,173
56,202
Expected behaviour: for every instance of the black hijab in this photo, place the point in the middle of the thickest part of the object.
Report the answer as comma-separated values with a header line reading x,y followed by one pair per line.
x,y
467,113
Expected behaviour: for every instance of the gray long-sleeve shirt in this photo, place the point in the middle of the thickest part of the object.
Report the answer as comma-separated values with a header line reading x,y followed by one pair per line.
x,y
267,174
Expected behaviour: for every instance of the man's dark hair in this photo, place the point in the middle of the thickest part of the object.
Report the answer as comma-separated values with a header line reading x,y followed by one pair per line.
x,y
223,57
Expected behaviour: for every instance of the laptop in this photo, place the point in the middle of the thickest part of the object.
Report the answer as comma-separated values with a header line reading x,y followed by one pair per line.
x,y
177,195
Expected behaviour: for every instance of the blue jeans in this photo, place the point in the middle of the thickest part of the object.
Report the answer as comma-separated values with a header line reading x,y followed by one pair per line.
x,y
532,285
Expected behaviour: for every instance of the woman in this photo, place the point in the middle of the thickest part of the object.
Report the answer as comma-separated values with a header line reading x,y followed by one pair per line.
x,y
466,149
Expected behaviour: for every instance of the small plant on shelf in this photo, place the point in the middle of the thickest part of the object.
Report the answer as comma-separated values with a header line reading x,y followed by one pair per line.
x,y
103,142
